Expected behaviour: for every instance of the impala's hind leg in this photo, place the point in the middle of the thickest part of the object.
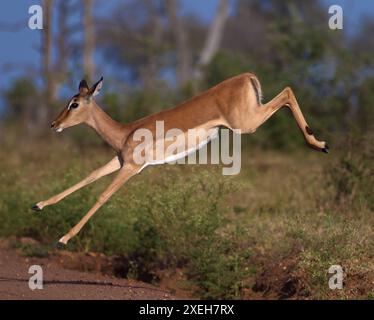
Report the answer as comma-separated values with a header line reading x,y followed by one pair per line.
x,y
287,98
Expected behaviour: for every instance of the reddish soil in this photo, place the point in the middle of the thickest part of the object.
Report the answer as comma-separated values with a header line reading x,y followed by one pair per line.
x,y
284,278
280,279
62,283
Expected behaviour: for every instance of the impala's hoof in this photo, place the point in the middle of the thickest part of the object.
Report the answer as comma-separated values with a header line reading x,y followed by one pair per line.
x,y
326,149
59,245
35,207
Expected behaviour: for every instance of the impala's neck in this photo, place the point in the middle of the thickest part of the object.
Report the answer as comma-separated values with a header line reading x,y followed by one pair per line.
x,y
110,130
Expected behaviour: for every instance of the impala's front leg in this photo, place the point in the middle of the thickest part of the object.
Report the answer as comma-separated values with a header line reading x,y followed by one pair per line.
x,y
125,174
110,167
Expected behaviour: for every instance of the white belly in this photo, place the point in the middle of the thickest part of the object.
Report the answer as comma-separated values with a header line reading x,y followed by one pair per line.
x,y
171,158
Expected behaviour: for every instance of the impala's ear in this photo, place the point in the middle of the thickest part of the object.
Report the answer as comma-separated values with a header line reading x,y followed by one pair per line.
x,y
95,89
83,87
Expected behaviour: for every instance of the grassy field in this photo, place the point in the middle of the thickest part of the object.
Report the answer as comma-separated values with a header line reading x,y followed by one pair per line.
x,y
272,231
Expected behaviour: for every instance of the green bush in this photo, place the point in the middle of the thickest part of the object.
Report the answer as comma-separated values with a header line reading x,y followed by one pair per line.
x,y
352,175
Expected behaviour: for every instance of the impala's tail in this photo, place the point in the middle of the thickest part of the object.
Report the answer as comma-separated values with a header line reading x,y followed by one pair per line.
x,y
257,88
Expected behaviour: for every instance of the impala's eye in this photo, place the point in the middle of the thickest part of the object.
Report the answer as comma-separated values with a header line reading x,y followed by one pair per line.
x,y
74,105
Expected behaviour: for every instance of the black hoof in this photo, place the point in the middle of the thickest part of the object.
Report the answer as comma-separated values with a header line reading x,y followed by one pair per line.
x,y
36,208
326,149
59,245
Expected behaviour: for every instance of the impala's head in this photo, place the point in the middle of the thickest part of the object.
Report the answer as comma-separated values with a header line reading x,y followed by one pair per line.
x,y
79,108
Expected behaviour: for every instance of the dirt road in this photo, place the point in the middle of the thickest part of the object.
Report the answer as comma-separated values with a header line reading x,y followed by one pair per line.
x,y
61,283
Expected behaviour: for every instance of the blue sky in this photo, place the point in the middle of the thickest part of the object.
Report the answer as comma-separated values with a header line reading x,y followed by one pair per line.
x,y
19,49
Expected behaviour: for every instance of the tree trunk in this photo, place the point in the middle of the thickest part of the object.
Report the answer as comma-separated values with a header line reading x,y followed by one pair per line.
x,y
45,111
62,45
214,37
149,71
89,41
182,48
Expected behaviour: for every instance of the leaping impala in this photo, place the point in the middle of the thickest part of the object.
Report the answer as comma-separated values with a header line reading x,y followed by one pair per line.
x,y
234,103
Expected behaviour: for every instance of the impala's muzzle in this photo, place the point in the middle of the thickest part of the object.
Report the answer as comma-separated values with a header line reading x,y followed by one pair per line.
x,y
57,124
56,127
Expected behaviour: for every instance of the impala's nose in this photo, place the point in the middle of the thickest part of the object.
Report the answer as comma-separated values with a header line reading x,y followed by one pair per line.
x,y
53,124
